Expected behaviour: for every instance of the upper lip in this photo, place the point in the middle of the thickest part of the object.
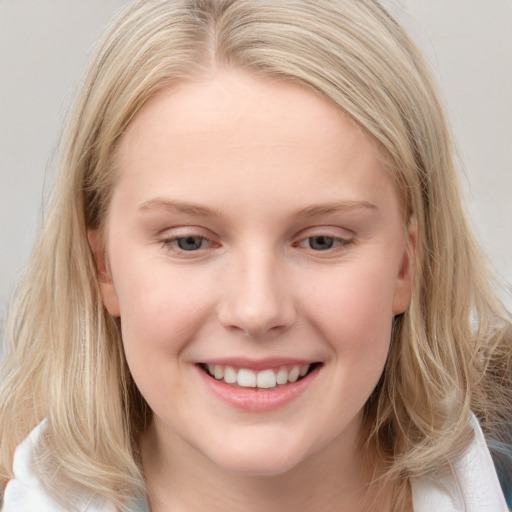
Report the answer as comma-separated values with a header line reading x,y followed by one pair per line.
x,y
257,364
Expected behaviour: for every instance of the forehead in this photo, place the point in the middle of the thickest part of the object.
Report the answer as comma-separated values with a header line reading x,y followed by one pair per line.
x,y
239,134
240,103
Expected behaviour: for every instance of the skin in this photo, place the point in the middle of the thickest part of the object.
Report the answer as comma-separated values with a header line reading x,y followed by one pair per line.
x,y
276,166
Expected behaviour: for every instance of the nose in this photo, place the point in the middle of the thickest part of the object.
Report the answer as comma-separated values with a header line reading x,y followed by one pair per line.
x,y
258,297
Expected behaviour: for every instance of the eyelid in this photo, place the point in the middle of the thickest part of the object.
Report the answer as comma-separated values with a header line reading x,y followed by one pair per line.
x,y
169,245
168,238
331,231
344,239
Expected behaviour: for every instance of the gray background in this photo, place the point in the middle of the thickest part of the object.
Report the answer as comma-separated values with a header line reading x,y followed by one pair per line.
x,y
45,45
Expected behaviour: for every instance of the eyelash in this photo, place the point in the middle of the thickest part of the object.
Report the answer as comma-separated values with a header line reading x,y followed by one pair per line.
x,y
339,241
171,243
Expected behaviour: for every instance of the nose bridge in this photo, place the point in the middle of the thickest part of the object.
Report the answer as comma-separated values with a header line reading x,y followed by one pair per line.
x,y
258,298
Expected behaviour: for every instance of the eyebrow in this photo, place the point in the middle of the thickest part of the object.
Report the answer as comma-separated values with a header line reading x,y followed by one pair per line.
x,y
160,203
340,206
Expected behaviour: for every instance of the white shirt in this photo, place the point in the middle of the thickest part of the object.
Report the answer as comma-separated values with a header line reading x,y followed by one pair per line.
x,y
472,487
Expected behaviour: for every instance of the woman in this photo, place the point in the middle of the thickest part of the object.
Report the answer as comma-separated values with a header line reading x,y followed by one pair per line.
x,y
256,280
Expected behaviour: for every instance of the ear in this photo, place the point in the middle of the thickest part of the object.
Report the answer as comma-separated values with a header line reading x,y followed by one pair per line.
x,y
107,288
403,288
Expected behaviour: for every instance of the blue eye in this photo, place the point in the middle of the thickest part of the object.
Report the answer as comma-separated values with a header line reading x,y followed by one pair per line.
x,y
189,243
321,242
329,244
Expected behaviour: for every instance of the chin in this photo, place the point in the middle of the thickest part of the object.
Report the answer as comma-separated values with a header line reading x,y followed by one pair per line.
x,y
252,468
258,461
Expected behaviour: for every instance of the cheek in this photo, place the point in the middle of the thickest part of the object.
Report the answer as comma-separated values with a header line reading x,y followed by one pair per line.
x,y
160,314
353,314
356,301
160,310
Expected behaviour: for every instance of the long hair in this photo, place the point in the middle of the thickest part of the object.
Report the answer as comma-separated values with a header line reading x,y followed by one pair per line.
x,y
450,351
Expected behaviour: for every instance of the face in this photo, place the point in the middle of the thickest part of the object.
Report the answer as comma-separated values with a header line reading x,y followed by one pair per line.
x,y
257,256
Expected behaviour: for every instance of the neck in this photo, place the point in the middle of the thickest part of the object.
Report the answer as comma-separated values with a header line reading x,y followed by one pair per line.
x,y
180,479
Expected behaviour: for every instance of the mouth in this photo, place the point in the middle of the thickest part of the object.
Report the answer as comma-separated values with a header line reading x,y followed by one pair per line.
x,y
267,379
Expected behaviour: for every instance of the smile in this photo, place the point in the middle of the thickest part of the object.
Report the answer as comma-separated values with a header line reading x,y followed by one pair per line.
x,y
270,378
260,386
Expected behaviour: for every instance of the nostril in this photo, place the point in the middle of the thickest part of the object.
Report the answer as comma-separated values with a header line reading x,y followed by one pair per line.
x,y
256,309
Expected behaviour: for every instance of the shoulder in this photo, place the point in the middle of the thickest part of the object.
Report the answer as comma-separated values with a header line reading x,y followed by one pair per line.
x,y
472,485
26,492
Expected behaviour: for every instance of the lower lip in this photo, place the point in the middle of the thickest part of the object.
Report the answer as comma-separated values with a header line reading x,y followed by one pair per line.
x,y
258,400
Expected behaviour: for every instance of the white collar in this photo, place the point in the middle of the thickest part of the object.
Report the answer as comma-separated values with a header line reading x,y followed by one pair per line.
x,y
472,487
25,492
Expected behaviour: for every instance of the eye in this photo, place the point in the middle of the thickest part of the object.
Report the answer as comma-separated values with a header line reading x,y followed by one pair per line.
x,y
323,243
190,243
184,244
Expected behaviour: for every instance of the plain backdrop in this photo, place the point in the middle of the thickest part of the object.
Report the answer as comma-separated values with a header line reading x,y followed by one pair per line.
x,y
45,45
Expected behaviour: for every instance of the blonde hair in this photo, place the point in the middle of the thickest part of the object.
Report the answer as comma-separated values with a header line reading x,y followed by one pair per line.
x,y
450,351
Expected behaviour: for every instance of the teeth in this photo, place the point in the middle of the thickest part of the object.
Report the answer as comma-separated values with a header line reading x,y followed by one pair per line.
x,y
246,378
218,372
229,375
282,376
264,379
294,374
